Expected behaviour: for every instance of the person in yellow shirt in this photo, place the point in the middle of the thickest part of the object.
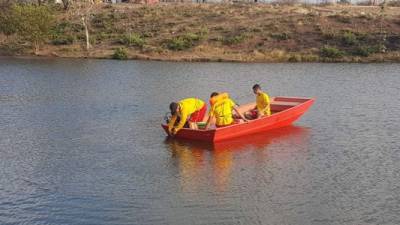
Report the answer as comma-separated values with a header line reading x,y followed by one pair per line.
x,y
190,110
263,106
221,111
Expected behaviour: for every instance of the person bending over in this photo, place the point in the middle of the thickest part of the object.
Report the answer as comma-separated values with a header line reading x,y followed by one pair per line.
x,y
192,108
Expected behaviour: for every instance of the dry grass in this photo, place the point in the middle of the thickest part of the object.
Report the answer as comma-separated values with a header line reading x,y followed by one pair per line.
x,y
234,32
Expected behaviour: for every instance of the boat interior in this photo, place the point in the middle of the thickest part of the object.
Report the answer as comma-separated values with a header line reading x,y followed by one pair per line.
x,y
278,104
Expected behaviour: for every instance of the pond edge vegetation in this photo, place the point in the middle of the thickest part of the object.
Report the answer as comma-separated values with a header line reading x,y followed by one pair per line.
x,y
203,32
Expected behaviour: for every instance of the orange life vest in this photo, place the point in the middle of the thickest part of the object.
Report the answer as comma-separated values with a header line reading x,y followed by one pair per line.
x,y
218,98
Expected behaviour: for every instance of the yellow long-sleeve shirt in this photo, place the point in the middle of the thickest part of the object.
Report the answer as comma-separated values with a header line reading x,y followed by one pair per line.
x,y
186,108
263,104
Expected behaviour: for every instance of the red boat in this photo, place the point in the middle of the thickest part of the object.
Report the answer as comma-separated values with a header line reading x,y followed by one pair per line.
x,y
285,110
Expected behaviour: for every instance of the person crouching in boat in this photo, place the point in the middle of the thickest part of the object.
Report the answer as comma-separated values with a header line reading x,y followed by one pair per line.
x,y
192,108
263,106
221,111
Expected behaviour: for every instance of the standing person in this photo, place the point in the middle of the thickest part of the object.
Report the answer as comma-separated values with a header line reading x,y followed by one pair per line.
x,y
221,110
263,106
189,107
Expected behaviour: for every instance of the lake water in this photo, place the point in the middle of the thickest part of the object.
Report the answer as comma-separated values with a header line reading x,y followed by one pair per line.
x,y
81,143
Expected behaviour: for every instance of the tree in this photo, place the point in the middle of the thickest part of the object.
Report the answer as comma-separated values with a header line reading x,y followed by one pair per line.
x,y
7,23
33,23
83,8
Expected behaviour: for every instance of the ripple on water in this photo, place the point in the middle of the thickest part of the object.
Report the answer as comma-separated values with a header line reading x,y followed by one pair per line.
x,y
81,143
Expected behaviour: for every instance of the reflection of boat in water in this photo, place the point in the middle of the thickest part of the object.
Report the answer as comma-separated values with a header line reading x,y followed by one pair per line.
x,y
285,111
201,163
258,140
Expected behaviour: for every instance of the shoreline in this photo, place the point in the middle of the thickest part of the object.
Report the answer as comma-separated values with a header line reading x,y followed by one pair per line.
x,y
393,59
239,33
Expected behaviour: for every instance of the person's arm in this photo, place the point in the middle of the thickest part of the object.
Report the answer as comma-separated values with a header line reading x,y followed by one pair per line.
x,y
171,123
181,123
210,118
240,114
208,123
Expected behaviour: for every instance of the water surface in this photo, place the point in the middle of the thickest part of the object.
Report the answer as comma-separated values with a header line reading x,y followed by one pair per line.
x,y
81,143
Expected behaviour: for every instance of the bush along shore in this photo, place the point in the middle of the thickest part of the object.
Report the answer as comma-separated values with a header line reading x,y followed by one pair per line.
x,y
204,32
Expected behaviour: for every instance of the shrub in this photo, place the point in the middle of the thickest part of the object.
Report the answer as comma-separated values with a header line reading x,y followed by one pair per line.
x,y
349,38
328,35
7,22
295,58
256,30
185,41
191,37
331,52
365,51
132,39
361,51
101,36
234,39
59,34
341,18
120,53
203,33
12,48
178,44
394,3
62,40
60,28
100,20
280,36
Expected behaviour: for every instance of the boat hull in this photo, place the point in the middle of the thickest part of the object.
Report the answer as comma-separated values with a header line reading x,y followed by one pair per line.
x,y
285,110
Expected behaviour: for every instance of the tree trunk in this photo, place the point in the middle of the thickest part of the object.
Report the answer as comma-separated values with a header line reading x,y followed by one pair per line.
x,y
86,33
36,47
65,4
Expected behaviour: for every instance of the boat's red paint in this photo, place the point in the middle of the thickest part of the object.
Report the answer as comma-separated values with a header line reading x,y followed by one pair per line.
x,y
285,111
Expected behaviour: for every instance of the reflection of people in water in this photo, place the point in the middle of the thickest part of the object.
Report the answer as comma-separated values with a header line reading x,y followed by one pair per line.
x,y
222,162
195,160
190,162
195,157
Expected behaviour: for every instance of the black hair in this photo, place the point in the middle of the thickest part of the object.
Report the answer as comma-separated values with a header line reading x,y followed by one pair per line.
x,y
256,87
213,94
173,107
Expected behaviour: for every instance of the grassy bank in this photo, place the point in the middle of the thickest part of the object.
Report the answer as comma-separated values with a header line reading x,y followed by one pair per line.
x,y
223,32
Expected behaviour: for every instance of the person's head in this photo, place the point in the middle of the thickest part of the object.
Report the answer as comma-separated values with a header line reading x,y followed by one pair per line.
x,y
256,89
213,94
173,107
